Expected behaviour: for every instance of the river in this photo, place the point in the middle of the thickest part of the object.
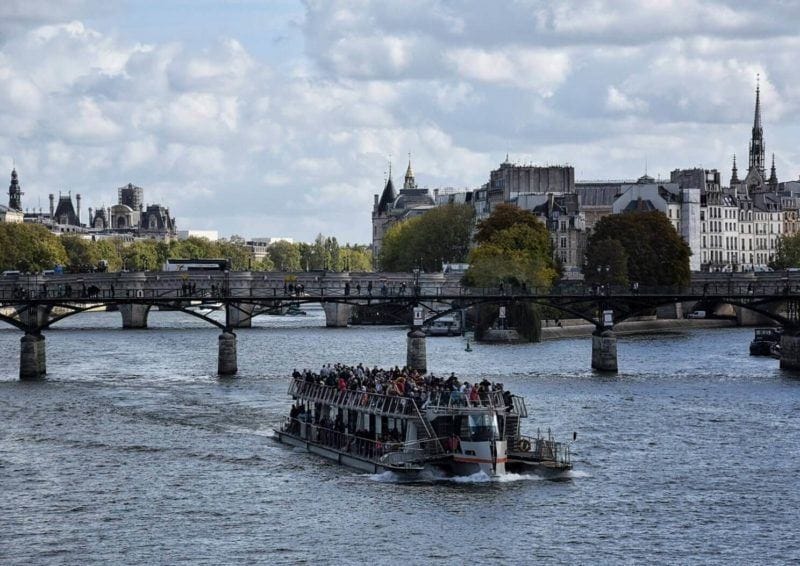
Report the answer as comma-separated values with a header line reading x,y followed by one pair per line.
x,y
132,451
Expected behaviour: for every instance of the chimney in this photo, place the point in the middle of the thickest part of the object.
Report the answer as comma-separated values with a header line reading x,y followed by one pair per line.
x,y
376,200
52,206
90,217
78,212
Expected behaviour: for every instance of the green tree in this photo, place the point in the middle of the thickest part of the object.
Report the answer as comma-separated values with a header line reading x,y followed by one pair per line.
x,y
356,258
427,241
81,253
788,252
607,263
141,255
235,249
285,256
504,216
29,247
520,253
656,253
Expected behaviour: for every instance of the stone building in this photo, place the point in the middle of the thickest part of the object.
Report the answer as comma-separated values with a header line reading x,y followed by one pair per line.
x,y
510,180
392,207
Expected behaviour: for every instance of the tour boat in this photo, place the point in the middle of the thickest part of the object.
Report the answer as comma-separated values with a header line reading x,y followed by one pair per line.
x,y
377,433
765,341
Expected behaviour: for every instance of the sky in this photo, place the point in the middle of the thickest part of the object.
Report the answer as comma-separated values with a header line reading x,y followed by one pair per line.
x,y
278,118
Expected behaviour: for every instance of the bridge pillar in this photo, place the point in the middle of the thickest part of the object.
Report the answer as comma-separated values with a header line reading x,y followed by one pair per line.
x,y
34,316
416,353
226,361
604,350
32,359
134,316
239,315
337,315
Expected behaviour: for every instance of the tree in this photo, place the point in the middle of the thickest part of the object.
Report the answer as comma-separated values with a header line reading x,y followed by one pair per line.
x,y
656,254
520,253
503,216
29,247
425,242
788,252
285,256
607,263
82,253
141,255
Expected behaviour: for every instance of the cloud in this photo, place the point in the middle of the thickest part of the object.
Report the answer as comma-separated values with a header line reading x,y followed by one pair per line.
x,y
251,138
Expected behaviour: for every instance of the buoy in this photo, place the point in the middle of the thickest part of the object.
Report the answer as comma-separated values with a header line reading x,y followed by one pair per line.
x,y
468,349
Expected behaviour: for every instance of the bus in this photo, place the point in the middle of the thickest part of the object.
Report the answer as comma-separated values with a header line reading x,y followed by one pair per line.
x,y
174,264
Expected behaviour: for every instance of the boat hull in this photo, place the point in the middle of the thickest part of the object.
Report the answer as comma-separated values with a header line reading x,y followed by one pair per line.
x,y
343,458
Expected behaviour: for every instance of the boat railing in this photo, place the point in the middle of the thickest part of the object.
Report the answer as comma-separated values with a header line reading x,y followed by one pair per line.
x,y
401,406
540,448
455,401
385,452
376,403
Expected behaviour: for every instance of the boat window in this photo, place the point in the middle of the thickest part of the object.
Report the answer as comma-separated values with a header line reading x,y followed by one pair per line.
x,y
483,427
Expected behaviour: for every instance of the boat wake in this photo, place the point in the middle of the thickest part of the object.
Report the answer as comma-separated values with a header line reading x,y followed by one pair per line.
x,y
432,475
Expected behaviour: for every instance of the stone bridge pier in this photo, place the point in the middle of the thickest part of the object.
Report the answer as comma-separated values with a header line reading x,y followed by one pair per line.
x,y
604,350
337,315
32,358
226,360
134,315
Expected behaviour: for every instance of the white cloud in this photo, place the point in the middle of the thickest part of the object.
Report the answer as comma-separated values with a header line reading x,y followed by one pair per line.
x,y
299,145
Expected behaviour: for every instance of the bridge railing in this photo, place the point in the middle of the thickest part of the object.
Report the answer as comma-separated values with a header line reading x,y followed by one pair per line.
x,y
218,287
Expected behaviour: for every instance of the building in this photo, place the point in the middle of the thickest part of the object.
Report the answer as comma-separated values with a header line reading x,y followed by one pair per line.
x,y
392,207
510,180
212,235
129,217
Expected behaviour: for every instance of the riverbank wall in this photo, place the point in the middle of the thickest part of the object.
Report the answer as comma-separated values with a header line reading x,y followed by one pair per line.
x,y
575,328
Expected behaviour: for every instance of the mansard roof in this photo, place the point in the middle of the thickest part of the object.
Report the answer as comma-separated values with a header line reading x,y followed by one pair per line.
x,y
65,212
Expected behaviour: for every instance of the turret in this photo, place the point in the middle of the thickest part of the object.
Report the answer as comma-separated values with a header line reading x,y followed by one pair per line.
x,y
52,205
78,212
14,192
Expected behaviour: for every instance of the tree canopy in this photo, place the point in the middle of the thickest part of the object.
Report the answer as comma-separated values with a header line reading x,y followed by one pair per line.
x,y
513,247
656,253
441,235
788,252
31,247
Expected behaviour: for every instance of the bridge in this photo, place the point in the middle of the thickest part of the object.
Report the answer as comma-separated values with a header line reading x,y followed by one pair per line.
x,y
34,303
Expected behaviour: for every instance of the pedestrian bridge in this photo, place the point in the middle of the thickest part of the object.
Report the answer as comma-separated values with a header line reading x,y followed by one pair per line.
x,y
34,303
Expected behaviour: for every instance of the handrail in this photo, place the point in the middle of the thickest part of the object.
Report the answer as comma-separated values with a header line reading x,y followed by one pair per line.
x,y
542,449
393,453
376,403
380,404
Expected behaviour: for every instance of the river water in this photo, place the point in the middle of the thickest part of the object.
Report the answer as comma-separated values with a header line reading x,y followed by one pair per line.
x,y
132,451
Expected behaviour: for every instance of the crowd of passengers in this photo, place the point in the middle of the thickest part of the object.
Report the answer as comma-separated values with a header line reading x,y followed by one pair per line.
x,y
423,389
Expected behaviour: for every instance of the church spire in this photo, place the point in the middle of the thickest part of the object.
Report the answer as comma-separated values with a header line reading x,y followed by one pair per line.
x,y
410,182
773,177
734,173
757,138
